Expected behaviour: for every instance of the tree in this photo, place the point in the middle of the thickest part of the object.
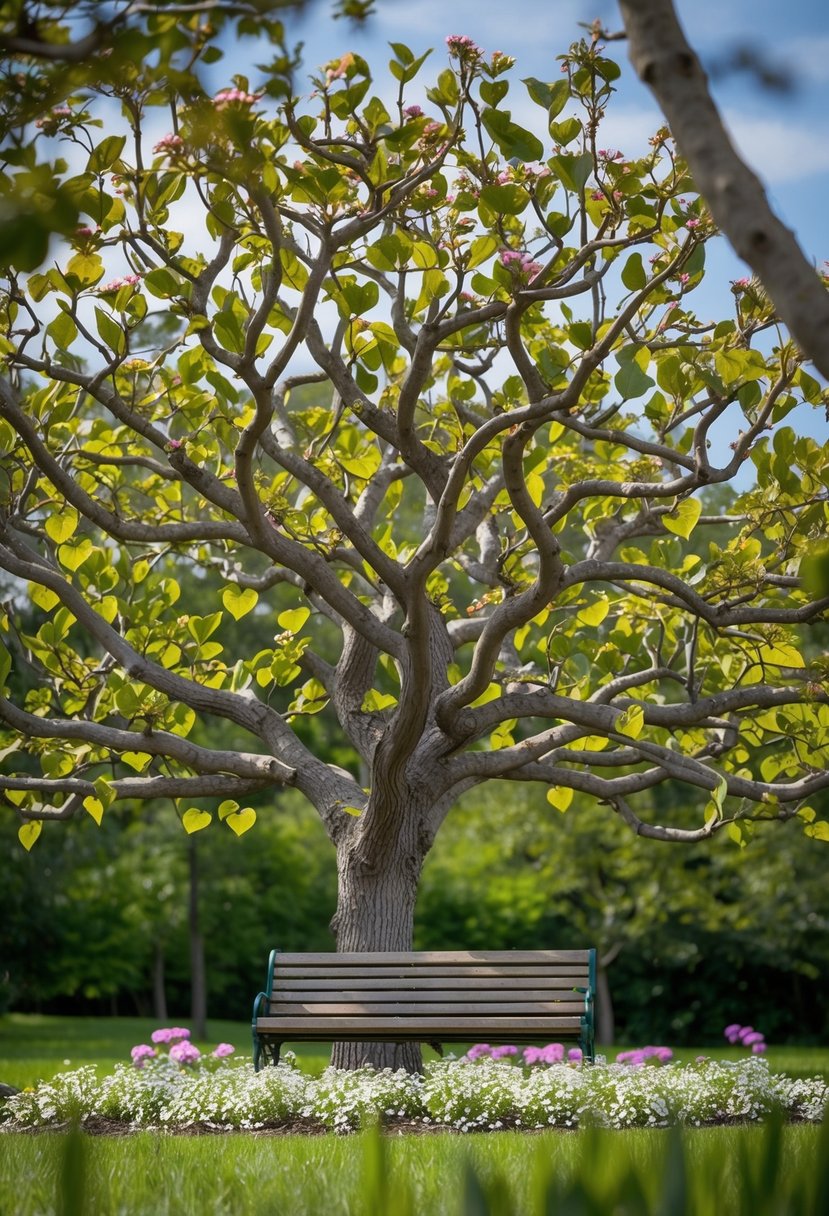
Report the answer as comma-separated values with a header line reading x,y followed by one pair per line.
x,y
434,401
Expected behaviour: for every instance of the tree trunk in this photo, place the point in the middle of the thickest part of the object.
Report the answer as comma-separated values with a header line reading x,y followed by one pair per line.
x,y
375,911
198,983
605,1020
159,986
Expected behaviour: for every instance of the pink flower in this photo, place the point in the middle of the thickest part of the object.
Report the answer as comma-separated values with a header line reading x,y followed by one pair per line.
x,y
413,112
185,1053
499,1053
758,1048
83,230
141,1053
461,46
124,281
223,1050
478,1050
741,284
574,1055
170,1034
228,97
692,224
170,143
175,444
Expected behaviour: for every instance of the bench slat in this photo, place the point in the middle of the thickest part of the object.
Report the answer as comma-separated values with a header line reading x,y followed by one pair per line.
x,y
371,1028
472,984
416,996
433,958
352,973
442,1009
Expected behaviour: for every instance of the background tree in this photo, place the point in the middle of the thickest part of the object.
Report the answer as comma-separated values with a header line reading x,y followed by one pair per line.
x,y
435,404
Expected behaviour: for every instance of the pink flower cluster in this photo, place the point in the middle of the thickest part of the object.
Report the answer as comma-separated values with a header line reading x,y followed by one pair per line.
x,y
521,263
170,143
141,1053
746,1036
553,1053
413,112
181,1050
227,97
124,281
170,1034
641,1055
461,46
185,1053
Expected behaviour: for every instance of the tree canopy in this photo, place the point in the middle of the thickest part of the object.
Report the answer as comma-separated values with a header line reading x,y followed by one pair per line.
x,y
429,392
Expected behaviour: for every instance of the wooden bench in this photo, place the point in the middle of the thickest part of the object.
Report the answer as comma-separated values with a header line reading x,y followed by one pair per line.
x,y
499,996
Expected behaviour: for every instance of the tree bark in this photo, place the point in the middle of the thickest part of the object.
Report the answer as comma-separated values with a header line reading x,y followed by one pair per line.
x,y
375,911
198,982
605,1018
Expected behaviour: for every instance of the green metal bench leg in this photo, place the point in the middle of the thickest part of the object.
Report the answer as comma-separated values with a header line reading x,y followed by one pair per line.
x,y
274,1049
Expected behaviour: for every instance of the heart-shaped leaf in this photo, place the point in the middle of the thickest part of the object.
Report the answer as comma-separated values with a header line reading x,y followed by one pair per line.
x,y
95,808
239,600
193,820
28,833
683,519
241,821
560,797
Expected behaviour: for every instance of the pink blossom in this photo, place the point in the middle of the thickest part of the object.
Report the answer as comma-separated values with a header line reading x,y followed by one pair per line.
x,y
223,1050
574,1055
499,1053
124,281
461,46
141,1053
175,444
170,143
742,284
684,278
597,195
184,1053
413,112
732,1032
83,230
477,1050
170,1034
228,97
758,1048
692,224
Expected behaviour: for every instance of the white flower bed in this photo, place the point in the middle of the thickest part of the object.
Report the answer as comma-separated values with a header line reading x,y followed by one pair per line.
x,y
463,1095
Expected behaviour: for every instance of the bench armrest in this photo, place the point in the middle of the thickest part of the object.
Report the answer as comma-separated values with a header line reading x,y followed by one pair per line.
x,y
257,1010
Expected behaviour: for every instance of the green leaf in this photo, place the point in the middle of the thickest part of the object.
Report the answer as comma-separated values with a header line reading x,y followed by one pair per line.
x,y
593,614
481,248
818,831
110,331
375,701
633,273
239,601
95,808
86,268
194,820
44,597
241,821
780,654
631,381
5,664
293,619
62,525
631,722
105,153
28,833
551,97
573,171
136,760
504,200
513,140
560,797
683,519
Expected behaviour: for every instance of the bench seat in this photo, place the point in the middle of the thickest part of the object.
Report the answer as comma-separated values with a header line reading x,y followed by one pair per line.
x,y
503,996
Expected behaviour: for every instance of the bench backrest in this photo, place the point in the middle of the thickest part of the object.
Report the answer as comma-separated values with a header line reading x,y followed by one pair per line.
x,y
447,992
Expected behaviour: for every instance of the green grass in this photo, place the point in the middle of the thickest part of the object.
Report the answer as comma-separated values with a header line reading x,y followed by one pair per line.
x,y
238,1175
33,1047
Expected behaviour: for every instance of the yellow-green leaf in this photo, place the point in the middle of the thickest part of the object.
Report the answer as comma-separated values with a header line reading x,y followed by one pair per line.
x,y
95,808
351,810
241,821
239,600
594,613
293,619
62,525
818,831
73,556
44,597
683,519
631,722
193,820
28,833
136,760
781,655
228,807
560,797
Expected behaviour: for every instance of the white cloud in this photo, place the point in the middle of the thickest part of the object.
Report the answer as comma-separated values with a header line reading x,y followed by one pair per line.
x,y
779,152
